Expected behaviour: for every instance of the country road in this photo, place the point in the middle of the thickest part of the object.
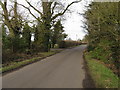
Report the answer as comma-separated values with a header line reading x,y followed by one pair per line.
x,y
63,70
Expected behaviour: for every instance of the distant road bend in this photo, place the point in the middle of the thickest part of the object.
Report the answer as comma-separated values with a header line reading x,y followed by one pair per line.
x,y
63,70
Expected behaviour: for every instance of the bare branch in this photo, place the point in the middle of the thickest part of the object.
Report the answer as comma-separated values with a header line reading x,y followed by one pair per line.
x,y
59,14
29,11
2,14
34,7
54,7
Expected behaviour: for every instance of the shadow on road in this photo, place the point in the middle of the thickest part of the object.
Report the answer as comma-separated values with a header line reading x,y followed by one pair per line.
x,y
88,81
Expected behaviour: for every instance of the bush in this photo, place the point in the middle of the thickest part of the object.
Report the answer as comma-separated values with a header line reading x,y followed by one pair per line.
x,y
66,44
102,75
105,52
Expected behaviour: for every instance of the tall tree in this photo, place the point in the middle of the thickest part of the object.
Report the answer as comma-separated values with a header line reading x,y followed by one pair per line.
x,y
46,18
57,33
13,22
26,35
103,31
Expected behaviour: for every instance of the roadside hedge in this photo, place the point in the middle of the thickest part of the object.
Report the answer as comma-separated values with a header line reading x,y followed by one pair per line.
x,y
68,43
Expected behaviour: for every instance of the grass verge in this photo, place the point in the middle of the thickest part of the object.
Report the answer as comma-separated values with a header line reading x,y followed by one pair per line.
x,y
102,76
16,65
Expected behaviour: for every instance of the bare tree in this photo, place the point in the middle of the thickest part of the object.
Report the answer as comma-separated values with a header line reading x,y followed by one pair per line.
x,y
14,22
46,17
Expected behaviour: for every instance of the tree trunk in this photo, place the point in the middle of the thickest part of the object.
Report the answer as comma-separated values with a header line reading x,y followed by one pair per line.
x,y
46,23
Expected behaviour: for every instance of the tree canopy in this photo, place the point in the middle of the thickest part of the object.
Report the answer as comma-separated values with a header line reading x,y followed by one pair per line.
x,y
103,26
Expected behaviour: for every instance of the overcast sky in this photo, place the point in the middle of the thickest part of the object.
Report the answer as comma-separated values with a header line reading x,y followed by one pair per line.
x,y
74,21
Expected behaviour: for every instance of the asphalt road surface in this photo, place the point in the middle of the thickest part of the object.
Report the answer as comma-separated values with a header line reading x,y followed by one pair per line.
x,y
63,70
